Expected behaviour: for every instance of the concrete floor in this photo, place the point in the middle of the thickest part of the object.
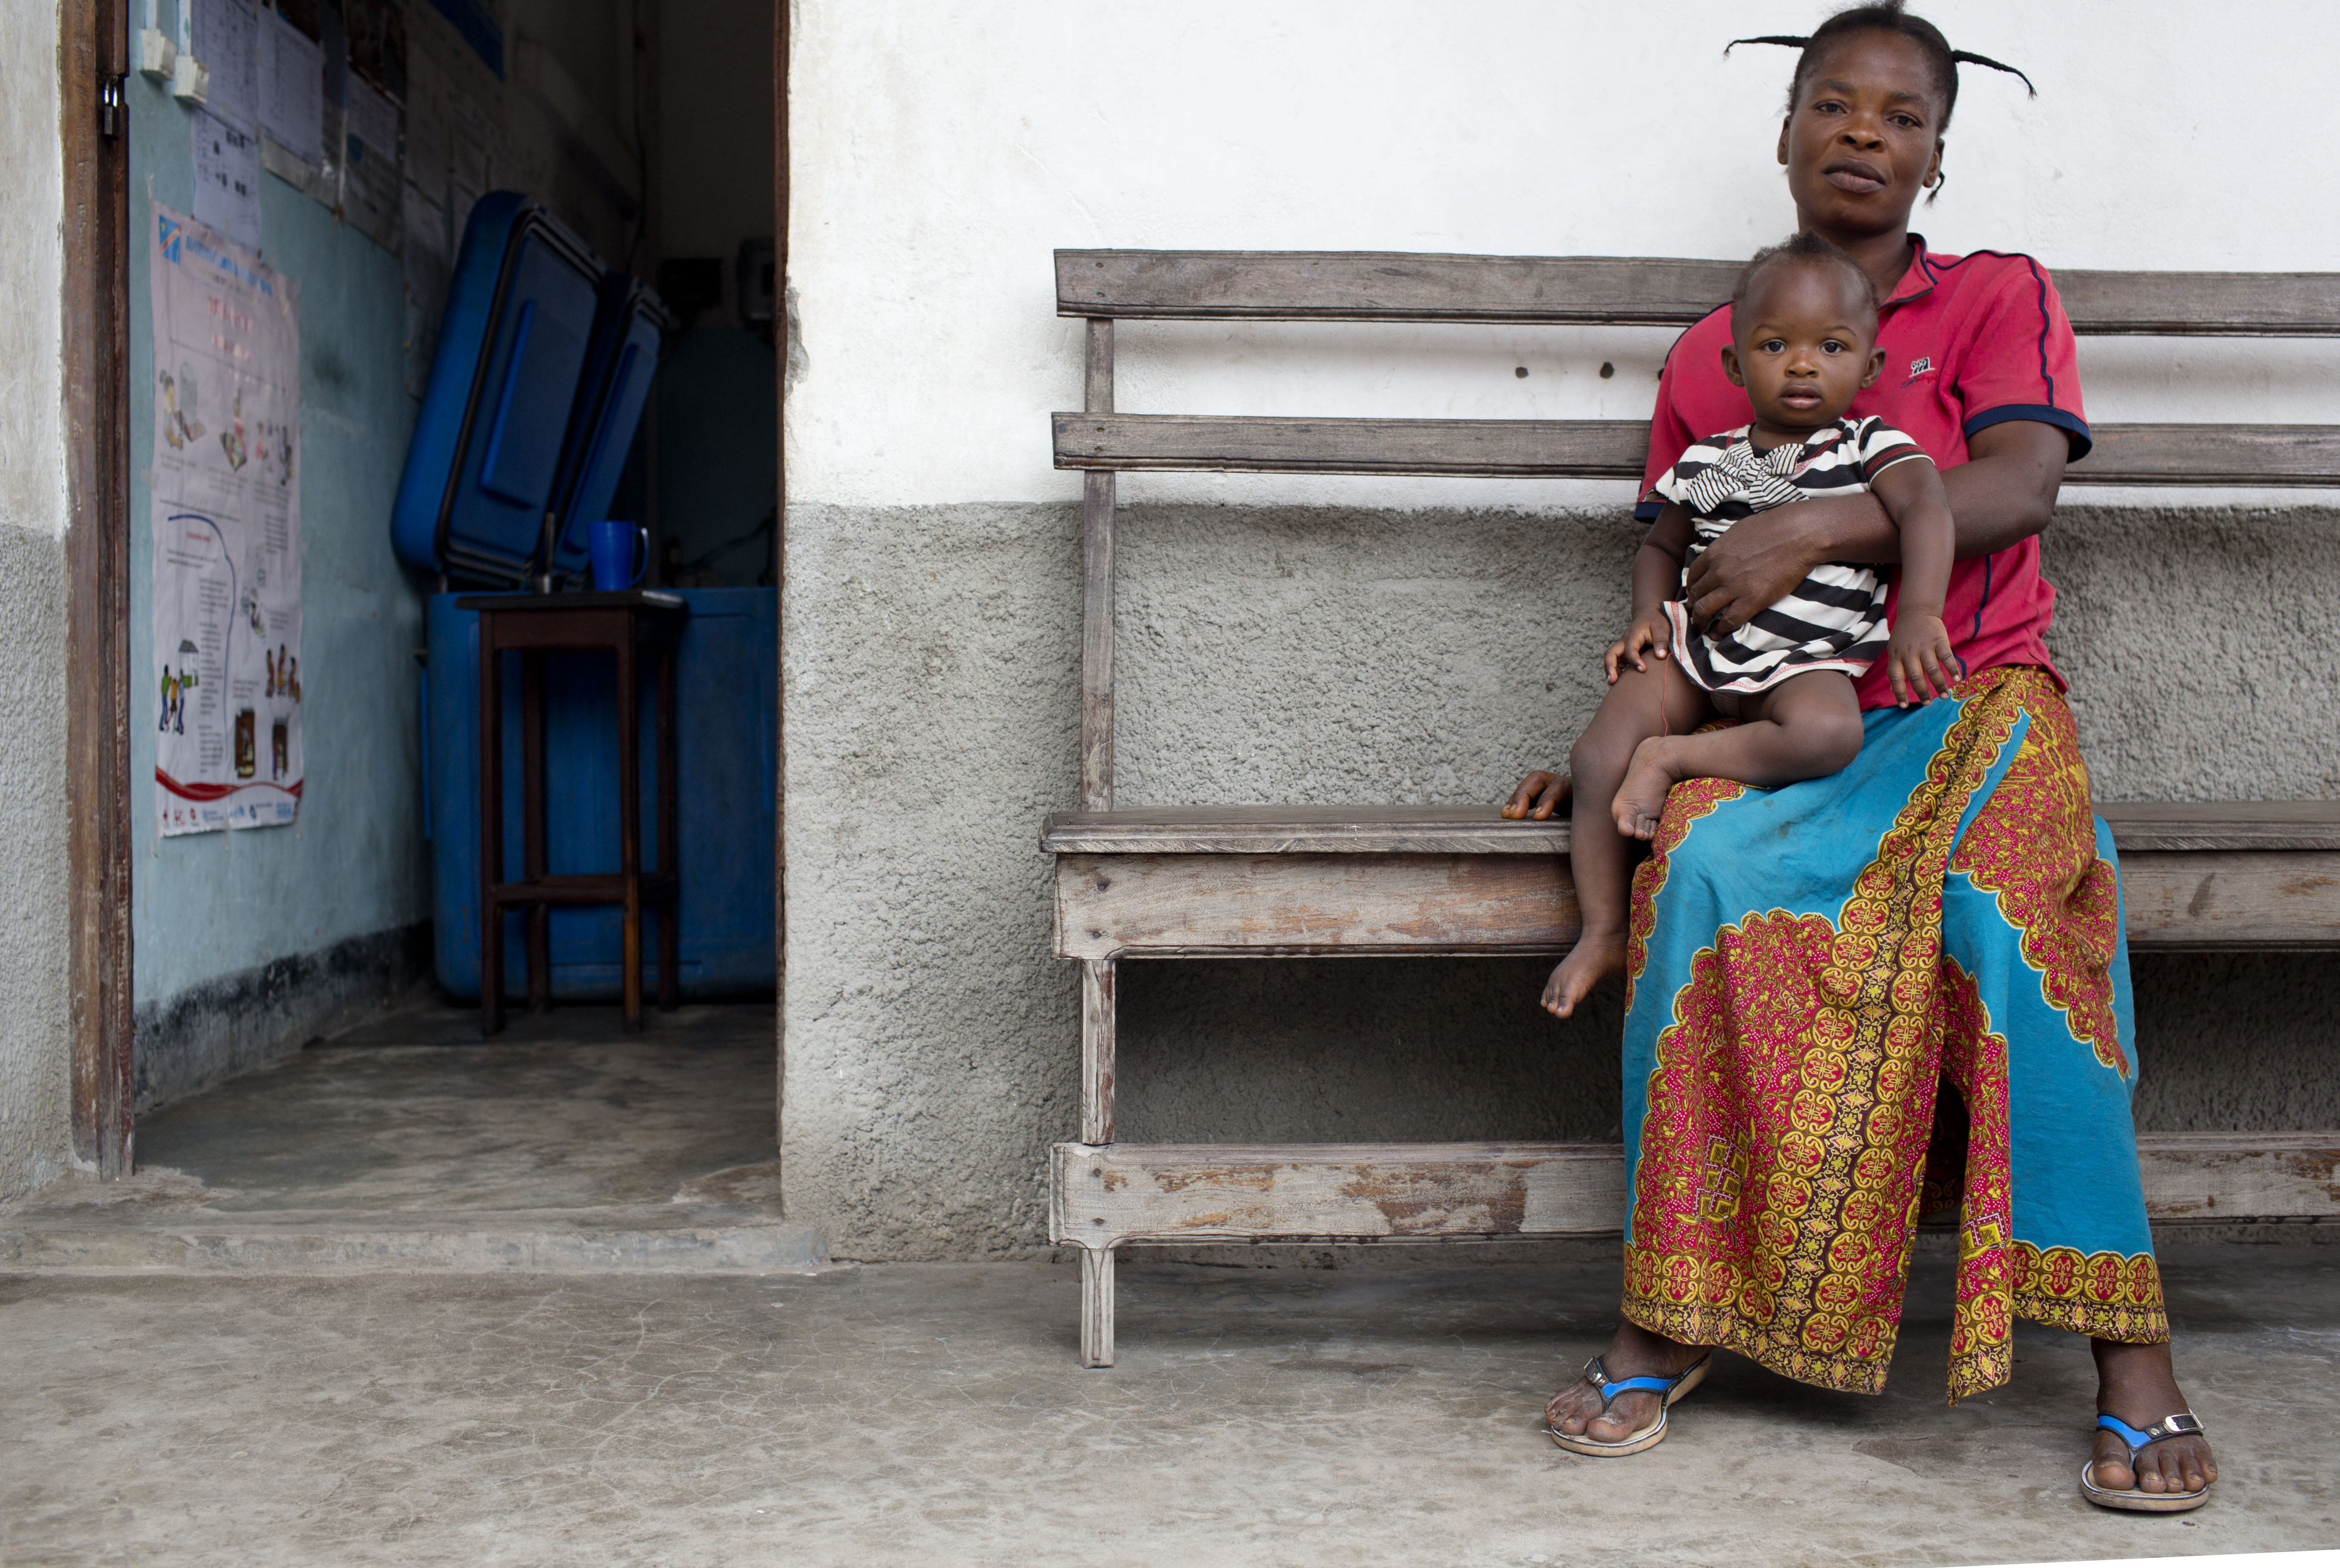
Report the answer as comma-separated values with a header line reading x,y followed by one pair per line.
x,y
1383,1412
317,1328
563,1143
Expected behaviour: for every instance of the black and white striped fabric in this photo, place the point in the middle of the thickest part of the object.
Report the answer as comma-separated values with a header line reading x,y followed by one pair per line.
x,y
1835,620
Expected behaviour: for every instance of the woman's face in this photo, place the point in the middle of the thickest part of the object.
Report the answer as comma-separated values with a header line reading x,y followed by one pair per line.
x,y
1864,137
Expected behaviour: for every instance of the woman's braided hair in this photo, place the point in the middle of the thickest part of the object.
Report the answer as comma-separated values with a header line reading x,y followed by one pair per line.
x,y
1888,17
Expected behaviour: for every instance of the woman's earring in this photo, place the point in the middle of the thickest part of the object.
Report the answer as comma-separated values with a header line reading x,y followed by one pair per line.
x,y
1936,184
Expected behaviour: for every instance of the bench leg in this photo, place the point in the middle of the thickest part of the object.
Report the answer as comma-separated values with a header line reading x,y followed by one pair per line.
x,y
1097,1306
1098,1019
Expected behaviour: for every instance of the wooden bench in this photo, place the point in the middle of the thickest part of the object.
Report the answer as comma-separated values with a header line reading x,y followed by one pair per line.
x,y
1259,881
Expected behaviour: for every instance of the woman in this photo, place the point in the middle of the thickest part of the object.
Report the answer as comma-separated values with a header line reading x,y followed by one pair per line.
x,y
1805,964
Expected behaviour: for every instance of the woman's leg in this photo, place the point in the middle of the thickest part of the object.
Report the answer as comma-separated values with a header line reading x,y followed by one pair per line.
x,y
1599,856
1807,727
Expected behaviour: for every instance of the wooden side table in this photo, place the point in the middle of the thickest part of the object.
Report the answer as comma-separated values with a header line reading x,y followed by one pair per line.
x,y
627,625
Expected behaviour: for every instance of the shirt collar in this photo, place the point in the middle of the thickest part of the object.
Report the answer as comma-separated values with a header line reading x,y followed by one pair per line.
x,y
1918,281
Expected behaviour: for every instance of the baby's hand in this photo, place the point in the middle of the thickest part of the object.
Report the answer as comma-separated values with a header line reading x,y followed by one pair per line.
x,y
1917,660
1652,632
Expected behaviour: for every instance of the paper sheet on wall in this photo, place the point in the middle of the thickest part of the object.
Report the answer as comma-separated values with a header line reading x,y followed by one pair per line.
x,y
226,40
226,532
370,179
227,178
291,106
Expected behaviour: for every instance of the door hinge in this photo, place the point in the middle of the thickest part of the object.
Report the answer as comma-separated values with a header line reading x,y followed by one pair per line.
x,y
110,108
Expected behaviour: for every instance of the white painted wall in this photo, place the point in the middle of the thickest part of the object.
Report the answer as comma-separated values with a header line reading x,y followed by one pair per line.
x,y
34,1049
942,147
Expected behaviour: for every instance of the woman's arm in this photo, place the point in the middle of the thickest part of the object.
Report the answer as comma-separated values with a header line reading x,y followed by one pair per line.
x,y
2004,494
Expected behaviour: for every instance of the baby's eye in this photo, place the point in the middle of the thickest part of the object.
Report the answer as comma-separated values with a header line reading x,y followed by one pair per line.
x,y
1832,346
1773,346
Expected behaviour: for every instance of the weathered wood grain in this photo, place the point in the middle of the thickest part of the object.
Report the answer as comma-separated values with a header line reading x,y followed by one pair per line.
x,y
1632,291
2274,455
93,360
1099,1014
2139,824
2136,825
1102,1197
1368,285
2208,900
2225,1176
1299,830
1261,906
1096,641
1501,448
1097,1307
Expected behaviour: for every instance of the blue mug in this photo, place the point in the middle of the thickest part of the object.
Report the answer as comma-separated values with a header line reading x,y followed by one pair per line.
x,y
620,552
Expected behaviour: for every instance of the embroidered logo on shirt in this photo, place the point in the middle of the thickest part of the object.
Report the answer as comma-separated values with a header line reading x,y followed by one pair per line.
x,y
1920,366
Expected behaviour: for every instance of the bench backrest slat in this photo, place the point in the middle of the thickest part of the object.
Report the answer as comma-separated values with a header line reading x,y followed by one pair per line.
x,y
1616,290
2205,454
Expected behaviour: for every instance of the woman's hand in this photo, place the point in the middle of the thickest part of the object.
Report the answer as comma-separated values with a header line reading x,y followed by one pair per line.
x,y
1918,663
1652,630
1762,559
1537,797
2002,495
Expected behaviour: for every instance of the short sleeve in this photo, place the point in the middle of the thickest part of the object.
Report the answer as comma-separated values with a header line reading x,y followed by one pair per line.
x,y
1669,487
1877,446
2020,360
1670,437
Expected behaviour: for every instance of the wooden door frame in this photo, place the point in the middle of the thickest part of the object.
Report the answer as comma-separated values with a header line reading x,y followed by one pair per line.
x,y
92,53
783,327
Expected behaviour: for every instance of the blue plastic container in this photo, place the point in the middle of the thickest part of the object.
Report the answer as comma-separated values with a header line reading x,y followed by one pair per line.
x,y
727,680
485,463
611,394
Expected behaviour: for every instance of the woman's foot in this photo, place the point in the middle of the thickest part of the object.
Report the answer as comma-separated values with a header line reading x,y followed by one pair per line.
x,y
1635,1352
1642,798
1596,956
2138,1384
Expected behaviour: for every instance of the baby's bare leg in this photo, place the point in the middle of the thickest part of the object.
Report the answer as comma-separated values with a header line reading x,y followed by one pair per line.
x,y
1807,727
1599,859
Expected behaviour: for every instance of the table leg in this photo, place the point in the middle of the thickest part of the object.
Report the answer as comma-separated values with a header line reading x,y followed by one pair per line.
x,y
533,829
670,836
630,822
491,830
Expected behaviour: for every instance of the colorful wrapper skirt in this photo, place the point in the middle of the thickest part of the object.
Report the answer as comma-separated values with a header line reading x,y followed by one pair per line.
x,y
1805,966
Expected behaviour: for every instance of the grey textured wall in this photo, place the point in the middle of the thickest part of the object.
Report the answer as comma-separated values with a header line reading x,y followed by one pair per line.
x,y
930,664
36,1042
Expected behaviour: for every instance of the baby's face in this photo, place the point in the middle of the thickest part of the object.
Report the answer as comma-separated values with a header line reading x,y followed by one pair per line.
x,y
1804,345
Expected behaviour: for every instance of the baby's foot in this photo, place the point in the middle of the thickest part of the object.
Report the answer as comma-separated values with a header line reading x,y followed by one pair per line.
x,y
1642,798
1594,956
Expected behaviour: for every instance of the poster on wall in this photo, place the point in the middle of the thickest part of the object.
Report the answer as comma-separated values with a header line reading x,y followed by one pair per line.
x,y
227,532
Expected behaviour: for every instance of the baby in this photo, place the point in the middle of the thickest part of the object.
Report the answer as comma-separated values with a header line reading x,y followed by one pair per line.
x,y
1803,345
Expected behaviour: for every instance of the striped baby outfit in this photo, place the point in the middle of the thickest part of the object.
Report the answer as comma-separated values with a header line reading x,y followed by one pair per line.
x,y
1835,618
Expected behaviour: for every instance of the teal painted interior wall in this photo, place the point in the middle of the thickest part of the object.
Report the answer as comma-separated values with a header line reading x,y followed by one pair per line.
x,y
212,905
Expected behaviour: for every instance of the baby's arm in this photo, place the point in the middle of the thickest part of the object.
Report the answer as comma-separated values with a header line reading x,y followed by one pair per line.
x,y
1656,578
1917,659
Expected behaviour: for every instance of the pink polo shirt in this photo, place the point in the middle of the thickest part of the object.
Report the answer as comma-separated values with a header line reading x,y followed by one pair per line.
x,y
1970,341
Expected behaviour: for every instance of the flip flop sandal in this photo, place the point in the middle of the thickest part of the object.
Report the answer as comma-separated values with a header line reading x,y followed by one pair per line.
x,y
1649,1436
2182,1425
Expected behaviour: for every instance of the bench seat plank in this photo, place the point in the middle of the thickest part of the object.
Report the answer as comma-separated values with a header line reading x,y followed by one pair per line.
x,y
2278,456
2136,825
2222,824
1115,1193
1616,290
1188,906
1300,831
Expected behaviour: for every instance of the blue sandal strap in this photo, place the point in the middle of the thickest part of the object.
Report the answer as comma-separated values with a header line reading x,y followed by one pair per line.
x,y
1610,1388
2182,1425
